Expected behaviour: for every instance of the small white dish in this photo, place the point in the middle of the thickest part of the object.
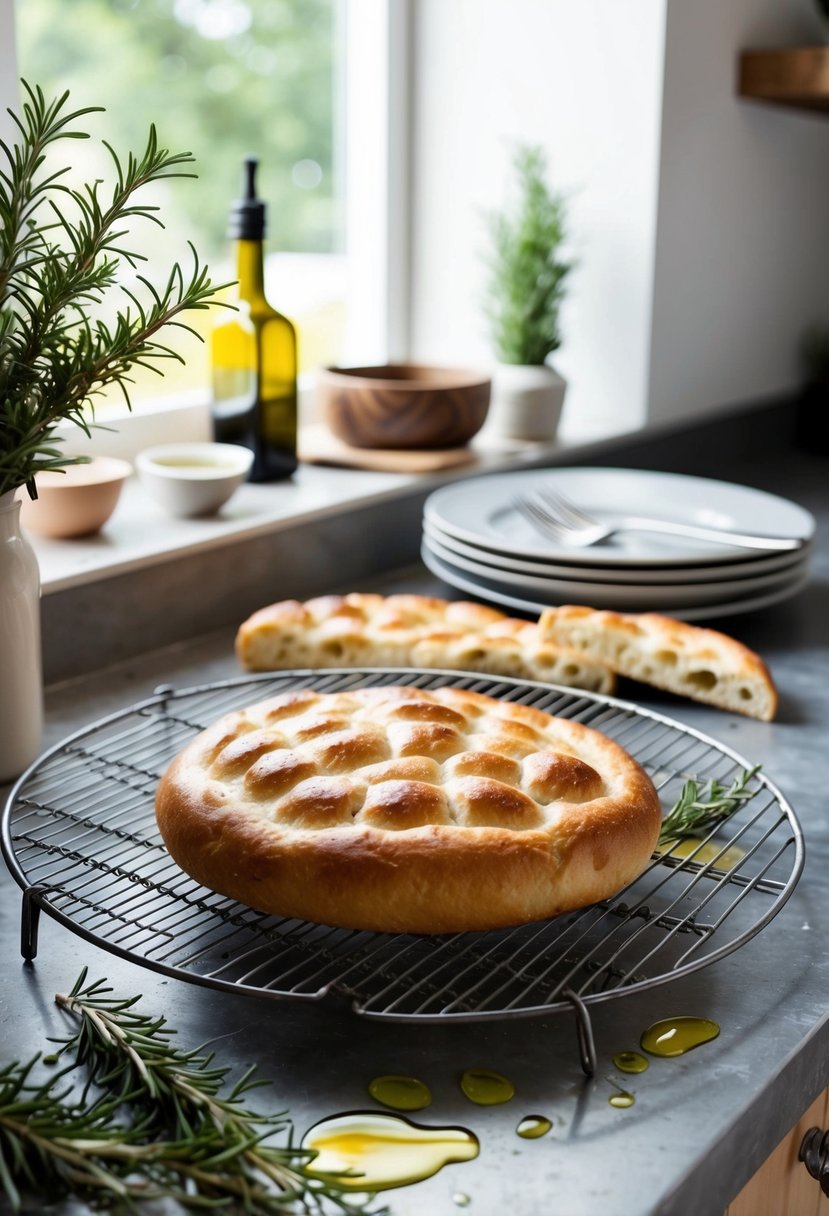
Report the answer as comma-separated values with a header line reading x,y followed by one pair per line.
x,y
192,479
480,512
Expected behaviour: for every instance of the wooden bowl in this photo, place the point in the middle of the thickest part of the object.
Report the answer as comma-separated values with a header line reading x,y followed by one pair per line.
x,y
403,405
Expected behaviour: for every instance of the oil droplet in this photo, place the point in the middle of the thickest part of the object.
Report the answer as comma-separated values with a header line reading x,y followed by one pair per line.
x,y
400,1093
621,1099
703,853
368,1151
675,1036
461,1199
533,1127
486,1088
630,1061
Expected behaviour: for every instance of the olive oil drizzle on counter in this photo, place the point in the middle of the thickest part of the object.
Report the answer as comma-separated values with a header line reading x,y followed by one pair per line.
x,y
400,1092
675,1036
372,1151
486,1088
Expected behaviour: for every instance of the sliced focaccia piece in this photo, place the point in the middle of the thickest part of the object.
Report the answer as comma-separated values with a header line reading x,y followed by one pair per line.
x,y
405,810
410,631
698,663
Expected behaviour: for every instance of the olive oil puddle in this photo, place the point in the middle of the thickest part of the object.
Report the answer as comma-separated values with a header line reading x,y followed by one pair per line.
x,y
533,1127
486,1088
368,1151
630,1061
703,852
667,1038
400,1093
674,1036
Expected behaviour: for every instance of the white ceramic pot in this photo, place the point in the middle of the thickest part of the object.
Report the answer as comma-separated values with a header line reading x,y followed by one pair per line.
x,y
526,402
21,679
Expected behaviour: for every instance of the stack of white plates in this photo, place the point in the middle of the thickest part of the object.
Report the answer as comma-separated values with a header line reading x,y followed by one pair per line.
x,y
476,539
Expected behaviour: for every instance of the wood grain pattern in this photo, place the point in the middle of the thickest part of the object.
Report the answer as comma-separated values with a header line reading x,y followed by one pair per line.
x,y
401,406
798,77
782,1186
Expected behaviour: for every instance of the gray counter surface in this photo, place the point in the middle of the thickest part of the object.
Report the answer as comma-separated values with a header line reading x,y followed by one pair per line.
x,y
701,1124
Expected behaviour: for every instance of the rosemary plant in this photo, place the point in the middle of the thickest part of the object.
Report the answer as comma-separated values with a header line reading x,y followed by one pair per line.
x,y
695,811
151,1122
62,254
527,274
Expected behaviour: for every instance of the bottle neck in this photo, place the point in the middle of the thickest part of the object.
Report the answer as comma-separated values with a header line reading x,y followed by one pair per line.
x,y
250,270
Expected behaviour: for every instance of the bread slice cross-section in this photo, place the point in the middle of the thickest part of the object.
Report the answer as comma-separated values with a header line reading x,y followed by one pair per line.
x,y
698,663
366,630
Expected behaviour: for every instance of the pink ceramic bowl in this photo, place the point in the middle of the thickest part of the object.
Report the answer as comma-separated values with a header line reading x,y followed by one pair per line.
x,y
76,501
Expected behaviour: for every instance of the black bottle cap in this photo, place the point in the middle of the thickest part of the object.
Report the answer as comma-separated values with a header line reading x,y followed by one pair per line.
x,y
247,215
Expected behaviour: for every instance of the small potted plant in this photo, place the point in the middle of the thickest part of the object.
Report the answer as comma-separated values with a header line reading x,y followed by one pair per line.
x,y
63,256
525,289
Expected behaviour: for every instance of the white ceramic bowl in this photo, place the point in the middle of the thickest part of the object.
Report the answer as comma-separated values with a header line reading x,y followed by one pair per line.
x,y
190,479
76,501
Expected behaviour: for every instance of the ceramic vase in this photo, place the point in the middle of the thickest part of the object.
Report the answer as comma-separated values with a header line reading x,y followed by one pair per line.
x,y
526,402
21,680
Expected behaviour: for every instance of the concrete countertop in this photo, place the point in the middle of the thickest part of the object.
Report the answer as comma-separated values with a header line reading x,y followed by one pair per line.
x,y
701,1124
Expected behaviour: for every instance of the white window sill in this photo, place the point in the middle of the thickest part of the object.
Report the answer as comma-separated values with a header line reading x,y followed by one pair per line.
x,y
140,534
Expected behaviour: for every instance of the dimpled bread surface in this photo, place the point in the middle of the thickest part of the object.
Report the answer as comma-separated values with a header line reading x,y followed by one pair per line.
x,y
402,810
361,629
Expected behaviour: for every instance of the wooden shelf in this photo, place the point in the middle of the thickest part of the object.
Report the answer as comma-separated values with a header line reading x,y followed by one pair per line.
x,y
798,77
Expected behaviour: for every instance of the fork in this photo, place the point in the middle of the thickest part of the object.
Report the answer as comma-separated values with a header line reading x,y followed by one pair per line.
x,y
553,515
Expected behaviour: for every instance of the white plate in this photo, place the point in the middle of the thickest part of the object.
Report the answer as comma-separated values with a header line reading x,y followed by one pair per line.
x,y
661,575
451,576
480,511
612,595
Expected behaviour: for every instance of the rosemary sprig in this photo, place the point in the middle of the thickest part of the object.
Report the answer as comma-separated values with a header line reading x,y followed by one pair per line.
x,y
150,1122
62,254
694,812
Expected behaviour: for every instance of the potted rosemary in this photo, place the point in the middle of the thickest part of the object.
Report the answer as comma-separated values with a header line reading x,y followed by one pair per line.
x,y
525,289
69,326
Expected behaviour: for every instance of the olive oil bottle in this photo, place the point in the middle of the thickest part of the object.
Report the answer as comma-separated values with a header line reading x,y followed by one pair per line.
x,y
254,355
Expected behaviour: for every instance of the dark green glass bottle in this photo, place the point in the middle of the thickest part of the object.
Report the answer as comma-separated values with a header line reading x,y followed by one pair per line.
x,y
254,355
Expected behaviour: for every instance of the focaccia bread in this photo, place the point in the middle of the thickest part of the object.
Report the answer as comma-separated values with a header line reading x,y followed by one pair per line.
x,y
402,810
658,650
409,631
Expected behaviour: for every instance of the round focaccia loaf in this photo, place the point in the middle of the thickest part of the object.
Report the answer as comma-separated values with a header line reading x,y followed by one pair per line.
x,y
686,659
362,629
401,810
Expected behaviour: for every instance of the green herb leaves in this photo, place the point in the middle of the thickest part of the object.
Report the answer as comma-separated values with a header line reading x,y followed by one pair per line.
x,y
696,811
62,252
150,1122
526,273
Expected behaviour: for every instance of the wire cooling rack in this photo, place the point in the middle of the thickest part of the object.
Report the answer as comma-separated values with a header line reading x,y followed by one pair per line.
x,y
80,837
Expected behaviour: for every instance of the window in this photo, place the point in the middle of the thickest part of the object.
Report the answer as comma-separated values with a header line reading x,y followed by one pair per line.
x,y
225,79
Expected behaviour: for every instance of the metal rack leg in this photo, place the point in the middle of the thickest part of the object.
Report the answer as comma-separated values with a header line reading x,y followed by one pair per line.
x,y
584,1030
29,921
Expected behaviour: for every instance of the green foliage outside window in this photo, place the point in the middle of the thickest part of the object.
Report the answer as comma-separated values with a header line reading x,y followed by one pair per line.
x,y
222,78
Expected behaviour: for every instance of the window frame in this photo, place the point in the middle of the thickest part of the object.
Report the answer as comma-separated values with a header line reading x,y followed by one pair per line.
x,y
374,121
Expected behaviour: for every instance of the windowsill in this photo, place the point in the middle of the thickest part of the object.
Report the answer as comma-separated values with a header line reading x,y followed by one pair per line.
x,y
140,534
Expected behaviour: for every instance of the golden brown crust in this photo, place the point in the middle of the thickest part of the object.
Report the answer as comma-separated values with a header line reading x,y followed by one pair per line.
x,y
702,664
409,631
429,812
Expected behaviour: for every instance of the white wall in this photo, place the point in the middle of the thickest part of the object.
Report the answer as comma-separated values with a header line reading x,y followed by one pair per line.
x,y
700,220
742,252
583,80
8,67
